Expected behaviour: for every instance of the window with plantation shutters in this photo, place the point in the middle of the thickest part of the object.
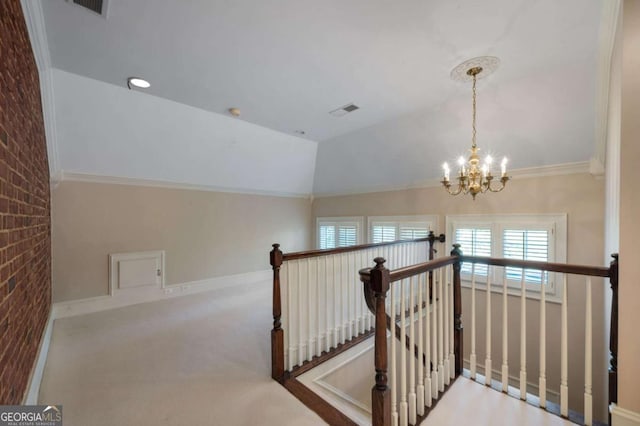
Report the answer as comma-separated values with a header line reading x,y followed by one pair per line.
x,y
383,233
333,232
412,232
347,235
540,238
392,228
327,236
474,242
526,244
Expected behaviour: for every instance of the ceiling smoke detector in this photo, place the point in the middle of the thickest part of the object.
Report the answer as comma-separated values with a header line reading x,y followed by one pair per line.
x,y
344,110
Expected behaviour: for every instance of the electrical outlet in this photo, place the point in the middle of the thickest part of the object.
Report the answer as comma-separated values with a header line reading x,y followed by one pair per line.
x,y
168,290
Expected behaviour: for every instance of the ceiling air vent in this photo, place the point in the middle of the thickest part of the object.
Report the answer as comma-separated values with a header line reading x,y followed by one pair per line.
x,y
344,110
96,6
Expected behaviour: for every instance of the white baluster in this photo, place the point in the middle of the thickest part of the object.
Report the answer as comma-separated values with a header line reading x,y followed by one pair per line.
x,y
472,356
286,275
346,294
505,335
309,289
392,369
523,339
352,314
487,362
427,346
440,335
301,346
452,350
320,283
434,341
542,385
421,310
336,301
588,351
445,331
404,407
327,305
356,300
564,353
412,358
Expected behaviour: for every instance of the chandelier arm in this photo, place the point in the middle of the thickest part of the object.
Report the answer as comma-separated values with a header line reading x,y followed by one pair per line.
x,y
456,192
504,183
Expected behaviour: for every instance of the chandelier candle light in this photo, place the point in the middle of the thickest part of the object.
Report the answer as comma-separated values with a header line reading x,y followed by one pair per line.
x,y
471,177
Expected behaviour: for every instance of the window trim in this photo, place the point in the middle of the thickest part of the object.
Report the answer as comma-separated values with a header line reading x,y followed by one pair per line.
x,y
555,222
358,221
397,221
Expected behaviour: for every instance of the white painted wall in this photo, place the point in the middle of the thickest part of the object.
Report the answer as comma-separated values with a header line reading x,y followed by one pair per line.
x,y
103,129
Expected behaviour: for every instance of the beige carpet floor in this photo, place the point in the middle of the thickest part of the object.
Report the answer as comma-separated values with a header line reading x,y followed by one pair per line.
x,y
204,359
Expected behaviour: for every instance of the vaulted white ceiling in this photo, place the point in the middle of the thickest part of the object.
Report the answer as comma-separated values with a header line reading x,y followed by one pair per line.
x,y
287,63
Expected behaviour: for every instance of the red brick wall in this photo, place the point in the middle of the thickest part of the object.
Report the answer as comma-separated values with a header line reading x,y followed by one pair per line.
x,y
25,245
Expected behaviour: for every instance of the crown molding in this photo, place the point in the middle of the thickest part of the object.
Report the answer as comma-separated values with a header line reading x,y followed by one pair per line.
x,y
34,18
606,43
524,173
66,176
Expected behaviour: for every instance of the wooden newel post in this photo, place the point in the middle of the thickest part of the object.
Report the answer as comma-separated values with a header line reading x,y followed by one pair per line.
x,y
613,333
457,310
277,334
432,239
432,251
380,393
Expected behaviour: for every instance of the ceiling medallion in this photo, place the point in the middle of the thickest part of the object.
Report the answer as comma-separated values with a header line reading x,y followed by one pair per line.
x,y
471,177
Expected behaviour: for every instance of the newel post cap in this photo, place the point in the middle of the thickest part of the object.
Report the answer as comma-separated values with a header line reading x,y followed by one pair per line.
x,y
275,255
380,276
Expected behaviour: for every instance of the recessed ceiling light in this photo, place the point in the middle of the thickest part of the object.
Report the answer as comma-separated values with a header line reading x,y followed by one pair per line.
x,y
138,82
235,112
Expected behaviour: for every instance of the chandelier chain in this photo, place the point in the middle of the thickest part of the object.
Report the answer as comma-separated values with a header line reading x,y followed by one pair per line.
x,y
473,122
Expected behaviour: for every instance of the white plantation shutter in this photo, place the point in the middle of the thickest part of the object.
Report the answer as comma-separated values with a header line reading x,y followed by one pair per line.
x,y
333,232
413,231
474,242
327,236
392,228
383,233
347,235
526,244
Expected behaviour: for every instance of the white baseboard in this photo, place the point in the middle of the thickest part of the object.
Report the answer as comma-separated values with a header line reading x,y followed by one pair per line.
x,y
33,390
135,296
623,417
532,388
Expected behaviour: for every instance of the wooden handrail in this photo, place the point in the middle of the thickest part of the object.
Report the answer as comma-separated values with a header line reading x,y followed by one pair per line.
x,y
326,252
409,271
595,271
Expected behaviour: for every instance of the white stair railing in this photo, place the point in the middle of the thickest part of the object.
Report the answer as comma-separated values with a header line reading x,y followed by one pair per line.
x,y
323,305
560,273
